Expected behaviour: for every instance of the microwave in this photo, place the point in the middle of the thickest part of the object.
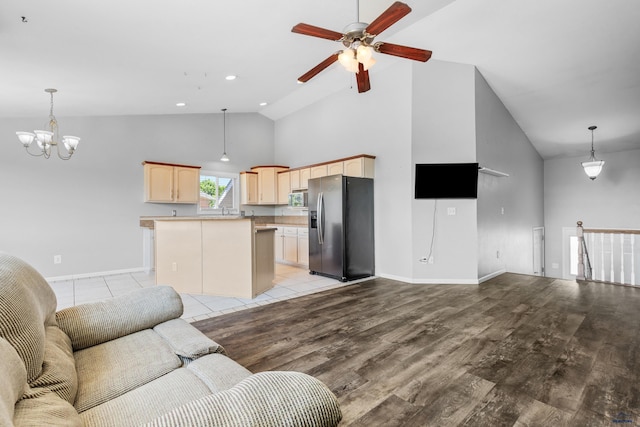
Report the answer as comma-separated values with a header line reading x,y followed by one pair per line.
x,y
298,200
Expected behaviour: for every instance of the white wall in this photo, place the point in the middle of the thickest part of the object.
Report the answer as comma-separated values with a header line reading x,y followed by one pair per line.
x,y
611,201
443,131
377,122
505,240
87,209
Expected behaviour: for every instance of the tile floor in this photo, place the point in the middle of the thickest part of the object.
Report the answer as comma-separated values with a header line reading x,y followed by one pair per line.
x,y
290,282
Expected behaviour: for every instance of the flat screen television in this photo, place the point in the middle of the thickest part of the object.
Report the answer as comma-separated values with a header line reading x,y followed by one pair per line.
x,y
446,181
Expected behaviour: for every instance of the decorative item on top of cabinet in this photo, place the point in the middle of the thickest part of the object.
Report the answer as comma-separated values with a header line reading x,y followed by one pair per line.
x,y
284,187
248,188
268,183
170,183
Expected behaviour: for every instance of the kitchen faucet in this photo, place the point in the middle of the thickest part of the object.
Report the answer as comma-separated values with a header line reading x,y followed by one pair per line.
x,y
223,211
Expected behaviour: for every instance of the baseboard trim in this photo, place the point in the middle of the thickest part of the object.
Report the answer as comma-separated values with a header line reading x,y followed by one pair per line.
x,y
97,274
430,281
492,275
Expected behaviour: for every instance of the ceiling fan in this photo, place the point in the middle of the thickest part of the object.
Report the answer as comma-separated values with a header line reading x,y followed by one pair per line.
x,y
358,40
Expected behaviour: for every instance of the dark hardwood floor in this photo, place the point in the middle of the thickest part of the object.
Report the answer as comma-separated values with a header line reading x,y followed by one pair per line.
x,y
515,351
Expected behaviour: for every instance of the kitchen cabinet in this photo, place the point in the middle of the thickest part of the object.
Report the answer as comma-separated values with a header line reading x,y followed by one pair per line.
x,y
284,187
362,167
168,183
318,171
291,244
268,183
305,175
248,188
335,168
279,244
294,179
303,246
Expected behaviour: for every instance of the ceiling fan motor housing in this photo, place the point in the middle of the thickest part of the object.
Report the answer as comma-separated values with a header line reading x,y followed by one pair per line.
x,y
356,32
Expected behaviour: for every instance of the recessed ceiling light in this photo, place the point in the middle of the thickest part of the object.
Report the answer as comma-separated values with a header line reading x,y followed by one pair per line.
x,y
231,77
181,104
262,104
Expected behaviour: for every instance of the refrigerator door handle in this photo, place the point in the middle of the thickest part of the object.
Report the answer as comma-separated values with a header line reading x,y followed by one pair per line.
x,y
320,218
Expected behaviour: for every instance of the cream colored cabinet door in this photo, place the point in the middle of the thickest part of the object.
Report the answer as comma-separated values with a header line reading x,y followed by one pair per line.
x,y
319,171
291,248
335,168
284,187
158,183
279,245
305,174
360,167
303,246
294,178
248,188
187,185
267,186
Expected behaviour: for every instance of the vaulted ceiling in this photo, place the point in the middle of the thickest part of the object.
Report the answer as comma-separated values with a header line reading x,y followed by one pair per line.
x,y
558,66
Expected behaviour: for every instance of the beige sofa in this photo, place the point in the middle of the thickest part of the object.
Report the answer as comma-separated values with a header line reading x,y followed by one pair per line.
x,y
131,360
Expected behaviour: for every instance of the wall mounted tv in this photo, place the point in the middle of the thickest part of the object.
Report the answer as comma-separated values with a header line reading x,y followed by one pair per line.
x,y
446,181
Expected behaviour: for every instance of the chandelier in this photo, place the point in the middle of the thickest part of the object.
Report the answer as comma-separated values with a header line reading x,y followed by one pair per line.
x,y
47,139
593,166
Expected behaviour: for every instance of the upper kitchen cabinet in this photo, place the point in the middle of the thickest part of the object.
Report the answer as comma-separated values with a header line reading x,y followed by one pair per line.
x,y
318,171
169,183
284,187
360,166
268,183
248,188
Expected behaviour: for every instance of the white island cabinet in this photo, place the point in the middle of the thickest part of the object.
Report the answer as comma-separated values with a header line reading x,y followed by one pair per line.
x,y
220,256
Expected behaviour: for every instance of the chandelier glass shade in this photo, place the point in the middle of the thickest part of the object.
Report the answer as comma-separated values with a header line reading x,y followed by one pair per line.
x,y
47,139
593,166
224,157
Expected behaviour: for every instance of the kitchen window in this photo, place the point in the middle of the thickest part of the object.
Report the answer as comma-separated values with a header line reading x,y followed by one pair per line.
x,y
219,193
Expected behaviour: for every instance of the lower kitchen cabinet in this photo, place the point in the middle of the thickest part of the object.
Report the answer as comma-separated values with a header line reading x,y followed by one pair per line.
x,y
291,245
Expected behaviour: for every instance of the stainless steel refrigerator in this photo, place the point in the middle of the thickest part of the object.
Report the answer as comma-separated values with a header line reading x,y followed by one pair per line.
x,y
341,227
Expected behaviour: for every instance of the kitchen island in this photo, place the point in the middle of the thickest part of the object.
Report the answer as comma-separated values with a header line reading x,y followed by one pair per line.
x,y
223,255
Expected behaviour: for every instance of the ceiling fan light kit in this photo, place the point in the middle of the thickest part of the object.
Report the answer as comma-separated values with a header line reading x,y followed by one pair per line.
x,y
593,166
358,39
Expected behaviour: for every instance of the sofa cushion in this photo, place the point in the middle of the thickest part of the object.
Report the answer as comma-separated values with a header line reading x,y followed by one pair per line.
x,y
58,367
14,381
45,408
94,323
109,370
27,304
187,341
148,401
218,372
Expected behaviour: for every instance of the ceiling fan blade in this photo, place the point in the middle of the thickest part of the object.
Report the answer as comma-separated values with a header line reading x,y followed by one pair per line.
x,y
316,70
362,77
393,14
403,51
313,31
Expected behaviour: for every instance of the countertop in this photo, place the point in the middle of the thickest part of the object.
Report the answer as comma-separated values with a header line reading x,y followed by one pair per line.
x,y
148,221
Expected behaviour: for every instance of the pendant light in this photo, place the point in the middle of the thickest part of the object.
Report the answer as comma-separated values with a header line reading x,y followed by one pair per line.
x,y
224,157
593,166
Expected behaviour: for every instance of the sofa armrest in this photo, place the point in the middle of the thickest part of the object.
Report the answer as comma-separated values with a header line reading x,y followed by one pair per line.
x,y
267,399
94,323
187,341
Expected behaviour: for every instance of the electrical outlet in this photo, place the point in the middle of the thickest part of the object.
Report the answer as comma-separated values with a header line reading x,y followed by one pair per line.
x,y
57,259
174,266
451,211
